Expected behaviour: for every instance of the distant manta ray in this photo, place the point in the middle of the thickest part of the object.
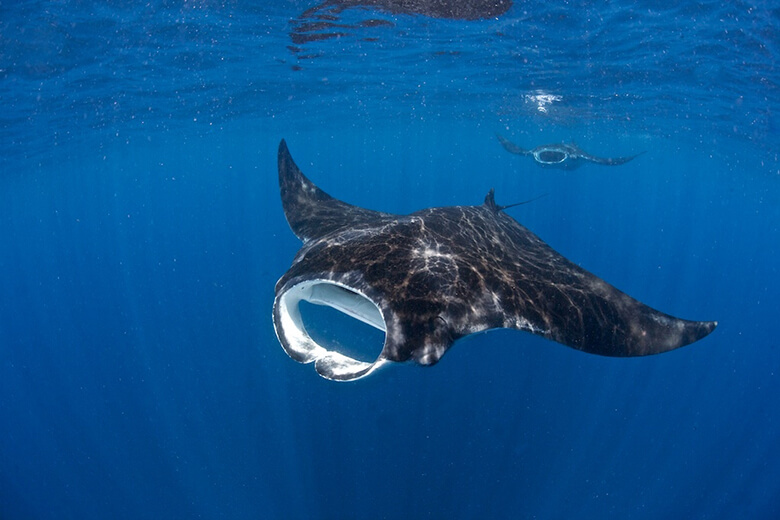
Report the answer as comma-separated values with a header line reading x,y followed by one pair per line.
x,y
564,156
321,22
432,277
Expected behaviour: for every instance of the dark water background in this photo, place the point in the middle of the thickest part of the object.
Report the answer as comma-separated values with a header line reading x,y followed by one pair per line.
x,y
141,236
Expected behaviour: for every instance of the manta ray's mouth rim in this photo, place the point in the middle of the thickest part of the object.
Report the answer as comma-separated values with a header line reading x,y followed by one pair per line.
x,y
546,155
299,345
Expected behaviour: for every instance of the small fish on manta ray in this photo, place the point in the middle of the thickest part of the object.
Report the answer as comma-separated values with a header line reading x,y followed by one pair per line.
x,y
562,156
437,275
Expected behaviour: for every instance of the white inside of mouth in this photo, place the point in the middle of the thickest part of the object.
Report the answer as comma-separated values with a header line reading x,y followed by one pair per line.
x,y
345,300
329,362
550,156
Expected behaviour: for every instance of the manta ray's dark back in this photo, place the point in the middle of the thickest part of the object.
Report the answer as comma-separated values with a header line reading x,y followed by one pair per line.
x,y
439,274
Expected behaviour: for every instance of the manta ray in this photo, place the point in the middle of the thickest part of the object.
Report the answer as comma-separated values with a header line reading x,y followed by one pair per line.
x,y
564,156
451,9
322,21
437,275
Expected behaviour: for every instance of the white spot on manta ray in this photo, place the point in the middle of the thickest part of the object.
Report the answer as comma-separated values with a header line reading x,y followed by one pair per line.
x,y
524,324
430,253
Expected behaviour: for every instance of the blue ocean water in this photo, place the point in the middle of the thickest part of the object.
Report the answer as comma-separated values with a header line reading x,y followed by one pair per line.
x,y
142,235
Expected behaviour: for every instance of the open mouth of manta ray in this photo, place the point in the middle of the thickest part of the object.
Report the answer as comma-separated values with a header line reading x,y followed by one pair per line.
x,y
550,156
331,361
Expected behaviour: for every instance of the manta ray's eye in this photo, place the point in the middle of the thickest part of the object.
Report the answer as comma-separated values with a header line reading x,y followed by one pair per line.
x,y
551,156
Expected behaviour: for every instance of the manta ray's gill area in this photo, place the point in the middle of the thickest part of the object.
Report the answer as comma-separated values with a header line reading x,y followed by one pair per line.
x,y
440,274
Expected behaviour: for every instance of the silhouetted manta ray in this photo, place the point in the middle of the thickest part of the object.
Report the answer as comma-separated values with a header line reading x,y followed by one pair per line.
x,y
321,22
437,275
565,156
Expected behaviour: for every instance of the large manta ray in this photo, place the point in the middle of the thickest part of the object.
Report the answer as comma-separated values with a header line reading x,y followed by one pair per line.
x,y
437,275
563,156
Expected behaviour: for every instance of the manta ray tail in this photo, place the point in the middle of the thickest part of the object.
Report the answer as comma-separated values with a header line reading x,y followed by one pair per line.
x,y
490,201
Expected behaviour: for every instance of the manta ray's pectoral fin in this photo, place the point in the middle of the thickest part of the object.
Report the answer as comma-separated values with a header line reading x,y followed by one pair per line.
x,y
617,325
552,297
608,161
511,147
580,310
310,211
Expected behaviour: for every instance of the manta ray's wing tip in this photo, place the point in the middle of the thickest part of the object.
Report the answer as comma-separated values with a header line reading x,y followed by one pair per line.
x,y
709,326
680,334
698,330
283,157
702,329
